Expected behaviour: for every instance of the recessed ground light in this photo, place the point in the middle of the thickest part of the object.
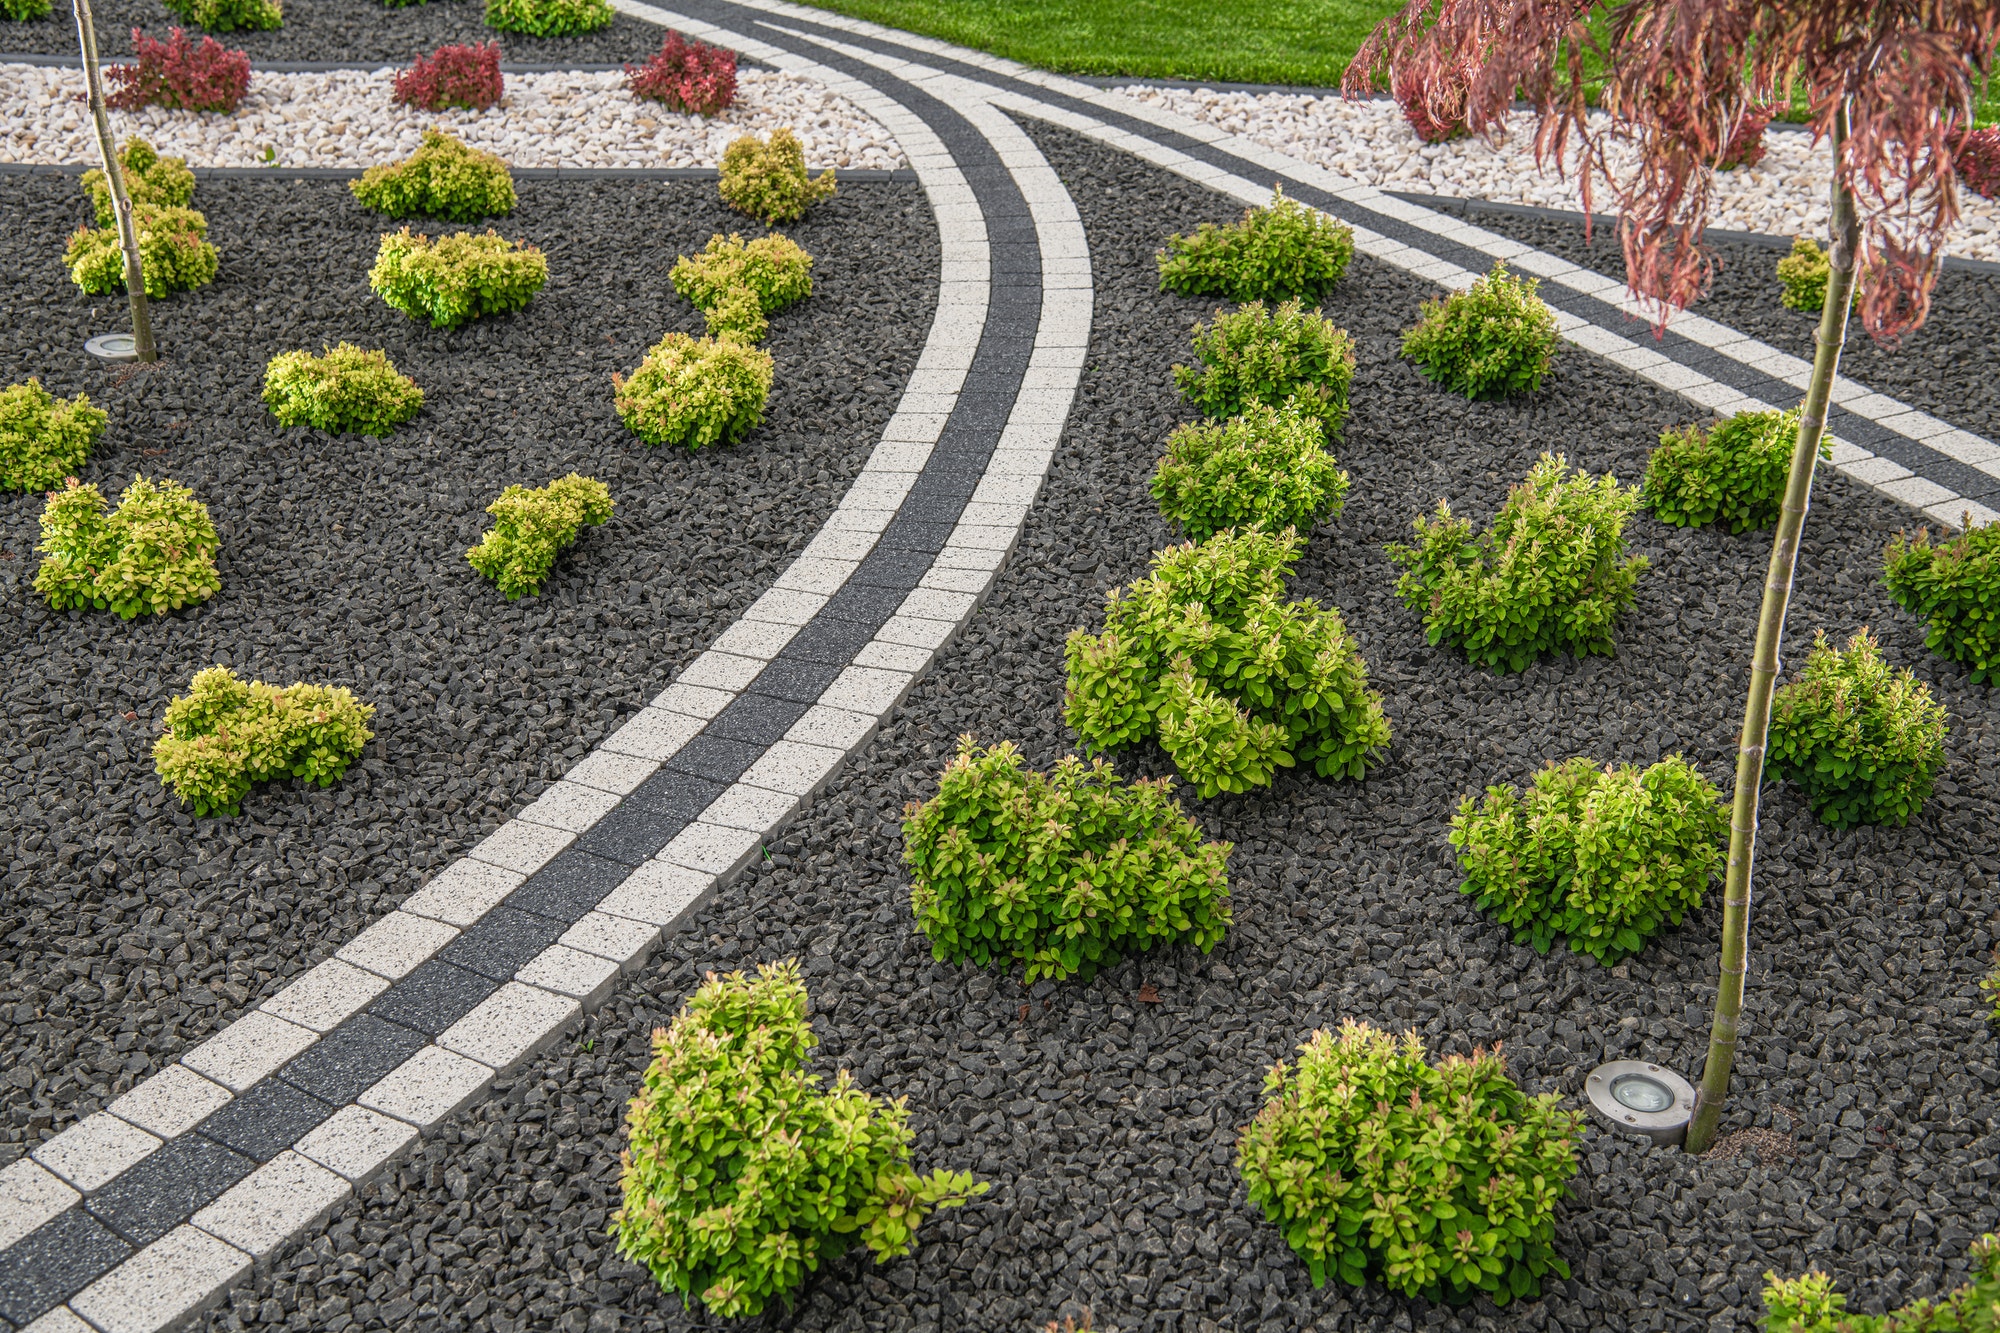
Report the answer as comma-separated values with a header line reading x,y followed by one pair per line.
x,y
113,347
1642,1098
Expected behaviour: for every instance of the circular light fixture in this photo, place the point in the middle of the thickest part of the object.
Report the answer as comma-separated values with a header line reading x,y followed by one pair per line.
x,y
1642,1098
113,347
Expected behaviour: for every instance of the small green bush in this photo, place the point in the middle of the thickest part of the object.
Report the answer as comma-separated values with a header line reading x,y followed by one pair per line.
x,y
1804,272
743,1176
1809,1304
772,270
768,180
1233,681
44,438
1602,856
456,279
1267,468
1989,986
25,11
1066,873
1264,356
163,182
695,391
1550,575
1494,338
229,15
226,734
442,179
174,253
532,527
1440,1181
1863,739
549,18
1733,474
154,553
1956,584
347,391
1280,253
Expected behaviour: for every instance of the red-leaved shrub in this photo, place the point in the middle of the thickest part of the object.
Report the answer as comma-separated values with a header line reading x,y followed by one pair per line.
x,y
1977,161
1436,112
179,75
687,76
466,77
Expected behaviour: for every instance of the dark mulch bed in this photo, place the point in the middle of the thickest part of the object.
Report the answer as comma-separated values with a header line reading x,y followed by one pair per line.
x,y
1107,1125
133,930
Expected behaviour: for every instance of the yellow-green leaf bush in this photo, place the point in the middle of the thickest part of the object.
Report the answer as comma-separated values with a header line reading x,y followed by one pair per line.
x,y
1804,273
1267,468
154,553
1733,474
230,15
1255,355
1065,872
1207,657
772,270
767,179
1494,338
163,182
1955,583
226,734
549,18
531,527
742,1174
695,391
442,179
1604,857
174,253
1281,252
1809,1303
346,390
44,438
24,11
1862,739
1439,1181
1550,575
456,279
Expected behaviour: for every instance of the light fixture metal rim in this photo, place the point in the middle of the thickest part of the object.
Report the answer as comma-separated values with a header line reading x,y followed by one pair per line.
x,y
1651,1123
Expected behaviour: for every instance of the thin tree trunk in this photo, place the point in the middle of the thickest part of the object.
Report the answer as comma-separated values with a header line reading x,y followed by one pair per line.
x,y
114,176
1764,664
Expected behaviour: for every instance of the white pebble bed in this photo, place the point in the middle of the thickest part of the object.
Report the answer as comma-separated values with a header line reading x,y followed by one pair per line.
x,y
346,118
1369,141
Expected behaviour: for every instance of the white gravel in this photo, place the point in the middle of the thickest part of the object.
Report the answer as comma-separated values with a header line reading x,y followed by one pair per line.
x,y
1784,195
346,118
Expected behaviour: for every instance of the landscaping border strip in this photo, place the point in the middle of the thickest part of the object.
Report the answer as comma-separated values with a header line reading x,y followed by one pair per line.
x,y
847,176
334,66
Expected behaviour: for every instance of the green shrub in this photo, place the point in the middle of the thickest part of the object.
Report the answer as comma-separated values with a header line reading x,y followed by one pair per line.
x,y
695,391
1989,986
1233,681
1957,585
456,279
1267,468
1733,474
442,179
1550,575
1809,1304
1602,856
1283,252
1440,1181
549,18
1264,356
1065,873
164,182
226,734
24,11
743,1176
532,527
229,15
1494,338
1804,272
174,253
44,438
1863,739
347,391
771,270
154,553
768,180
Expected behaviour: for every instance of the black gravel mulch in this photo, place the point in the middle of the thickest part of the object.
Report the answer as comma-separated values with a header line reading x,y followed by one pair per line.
x,y
132,930
1107,1124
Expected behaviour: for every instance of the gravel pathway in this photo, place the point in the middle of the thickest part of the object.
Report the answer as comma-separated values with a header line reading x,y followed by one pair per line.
x,y
346,118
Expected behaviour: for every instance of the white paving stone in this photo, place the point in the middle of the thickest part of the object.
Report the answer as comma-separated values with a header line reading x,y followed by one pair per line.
x,y
695,700
179,1275
427,1087
171,1102
95,1149
262,1211
30,1194
892,657
720,671
521,847
753,808
759,639
248,1049
657,893
833,728
861,689
583,977
786,607
327,995
59,1320
655,733
795,769
610,771
1917,492
712,849
569,806
357,1143
463,892
395,945
509,1025
616,939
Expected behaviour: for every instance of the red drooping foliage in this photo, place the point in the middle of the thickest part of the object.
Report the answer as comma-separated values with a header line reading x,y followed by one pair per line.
x,y
179,75
465,77
1679,80
688,75
1977,159
1435,107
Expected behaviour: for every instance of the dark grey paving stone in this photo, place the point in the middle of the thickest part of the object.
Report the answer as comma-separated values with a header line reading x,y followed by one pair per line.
x,y
714,758
675,798
434,996
862,604
908,534
164,1189
827,639
266,1120
502,942
794,681
54,1262
631,834
889,568
569,886
933,509
759,719
352,1058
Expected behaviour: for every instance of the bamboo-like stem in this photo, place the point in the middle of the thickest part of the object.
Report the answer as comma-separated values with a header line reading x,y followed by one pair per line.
x,y
114,176
1764,663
